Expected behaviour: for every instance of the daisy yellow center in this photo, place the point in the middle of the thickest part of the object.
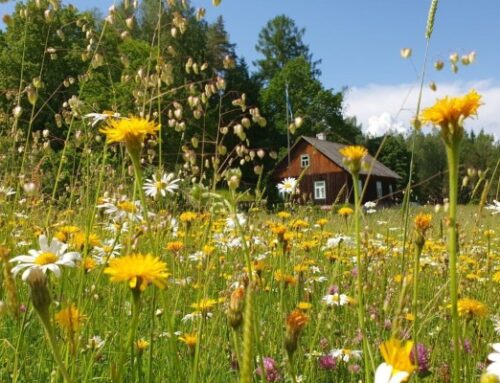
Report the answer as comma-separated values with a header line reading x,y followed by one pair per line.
x,y
127,206
45,258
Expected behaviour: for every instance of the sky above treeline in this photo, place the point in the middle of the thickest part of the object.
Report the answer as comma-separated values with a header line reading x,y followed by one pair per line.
x,y
359,42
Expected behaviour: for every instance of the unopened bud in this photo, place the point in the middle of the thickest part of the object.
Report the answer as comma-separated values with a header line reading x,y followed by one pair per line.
x,y
439,65
405,53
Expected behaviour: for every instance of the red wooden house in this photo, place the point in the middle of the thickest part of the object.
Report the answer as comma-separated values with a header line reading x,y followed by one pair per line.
x,y
326,176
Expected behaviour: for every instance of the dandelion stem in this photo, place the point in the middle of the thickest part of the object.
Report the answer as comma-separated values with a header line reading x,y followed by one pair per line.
x,y
452,152
361,305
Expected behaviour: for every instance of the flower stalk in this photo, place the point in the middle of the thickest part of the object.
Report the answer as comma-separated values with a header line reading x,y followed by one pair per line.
x,y
452,153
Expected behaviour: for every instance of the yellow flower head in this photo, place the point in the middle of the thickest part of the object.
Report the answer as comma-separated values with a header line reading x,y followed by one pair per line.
x,y
449,112
130,131
188,217
296,321
304,306
353,155
142,344
471,308
423,222
175,246
397,355
345,211
204,305
70,318
189,340
138,270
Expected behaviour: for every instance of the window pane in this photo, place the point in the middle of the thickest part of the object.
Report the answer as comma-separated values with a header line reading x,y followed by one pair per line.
x,y
379,189
319,190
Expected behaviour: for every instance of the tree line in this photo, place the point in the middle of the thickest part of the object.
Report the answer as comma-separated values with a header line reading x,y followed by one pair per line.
x,y
58,62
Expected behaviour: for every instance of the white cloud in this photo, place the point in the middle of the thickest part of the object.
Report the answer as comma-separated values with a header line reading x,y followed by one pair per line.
x,y
378,125
391,107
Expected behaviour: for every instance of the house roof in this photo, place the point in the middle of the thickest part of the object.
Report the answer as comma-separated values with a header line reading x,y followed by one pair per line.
x,y
331,151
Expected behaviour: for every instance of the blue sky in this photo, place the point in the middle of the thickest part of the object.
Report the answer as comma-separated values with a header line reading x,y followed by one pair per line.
x,y
359,41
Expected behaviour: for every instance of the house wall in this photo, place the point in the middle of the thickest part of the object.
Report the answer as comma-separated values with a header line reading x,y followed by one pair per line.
x,y
319,164
337,180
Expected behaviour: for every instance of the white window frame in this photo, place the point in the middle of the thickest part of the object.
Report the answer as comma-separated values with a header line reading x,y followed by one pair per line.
x,y
303,159
319,190
380,189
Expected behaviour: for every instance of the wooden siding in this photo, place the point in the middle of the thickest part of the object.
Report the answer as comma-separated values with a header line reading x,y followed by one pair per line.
x,y
319,163
321,168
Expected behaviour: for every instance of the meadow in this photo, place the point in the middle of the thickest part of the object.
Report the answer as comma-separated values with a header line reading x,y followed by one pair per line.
x,y
142,238
302,259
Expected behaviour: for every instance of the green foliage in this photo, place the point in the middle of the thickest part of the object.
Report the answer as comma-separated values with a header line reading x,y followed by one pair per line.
x,y
279,42
320,108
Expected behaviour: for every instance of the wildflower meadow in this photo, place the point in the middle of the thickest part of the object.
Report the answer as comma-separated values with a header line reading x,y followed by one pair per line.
x,y
143,237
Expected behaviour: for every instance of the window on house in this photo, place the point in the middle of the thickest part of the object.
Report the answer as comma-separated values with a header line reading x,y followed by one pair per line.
x,y
391,190
304,160
380,191
319,190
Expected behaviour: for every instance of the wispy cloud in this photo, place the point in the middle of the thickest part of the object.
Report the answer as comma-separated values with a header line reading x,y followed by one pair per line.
x,y
391,107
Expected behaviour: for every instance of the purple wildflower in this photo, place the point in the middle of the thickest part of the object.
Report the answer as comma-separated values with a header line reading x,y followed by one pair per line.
x,y
327,362
272,373
422,359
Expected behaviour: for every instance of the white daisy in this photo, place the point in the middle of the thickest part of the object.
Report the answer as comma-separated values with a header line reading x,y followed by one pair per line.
x,y
287,186
231,221
165,184
336,299
123,210
495,207
98,117
345,354
108,249
494,357
6,191
49,257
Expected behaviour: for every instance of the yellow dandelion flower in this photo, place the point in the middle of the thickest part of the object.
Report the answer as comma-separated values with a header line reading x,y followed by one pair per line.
x,y
130,131
423,222
138,270
353,152
321,222
70,319
304,306
353,156
189,340
284,215
345,211
471,308
204,305
175,246
188,217
89,263
451,110
142,344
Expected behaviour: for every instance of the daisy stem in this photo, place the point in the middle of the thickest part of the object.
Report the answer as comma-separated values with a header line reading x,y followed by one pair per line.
x,y
452,152
43,314
361,305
